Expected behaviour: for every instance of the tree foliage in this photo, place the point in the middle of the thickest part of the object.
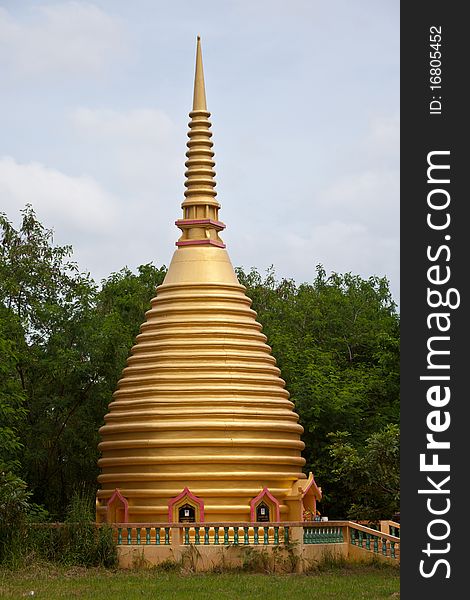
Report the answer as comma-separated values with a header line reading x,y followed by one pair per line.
x,y
12,411
370,473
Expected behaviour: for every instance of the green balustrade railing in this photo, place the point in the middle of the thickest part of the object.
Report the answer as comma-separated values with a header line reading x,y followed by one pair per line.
x,y
324,535
134,536
211,535
260,534
395,531
374,541
265,536
246,536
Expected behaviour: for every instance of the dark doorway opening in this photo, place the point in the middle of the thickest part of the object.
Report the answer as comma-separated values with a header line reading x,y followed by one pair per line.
x,y
262,512
187,514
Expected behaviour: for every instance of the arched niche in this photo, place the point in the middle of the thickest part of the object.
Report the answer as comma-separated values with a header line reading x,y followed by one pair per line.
x,y
117,508
310,494
186,507
264,500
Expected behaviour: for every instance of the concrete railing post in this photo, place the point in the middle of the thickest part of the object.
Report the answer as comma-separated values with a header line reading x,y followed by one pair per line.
x,y
385,526
175,542
296,538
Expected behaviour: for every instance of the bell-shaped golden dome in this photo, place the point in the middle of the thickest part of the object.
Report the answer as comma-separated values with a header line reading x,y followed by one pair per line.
x,y
200,420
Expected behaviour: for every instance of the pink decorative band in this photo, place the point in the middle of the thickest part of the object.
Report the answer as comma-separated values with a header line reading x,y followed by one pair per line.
x,y
217,224
205,242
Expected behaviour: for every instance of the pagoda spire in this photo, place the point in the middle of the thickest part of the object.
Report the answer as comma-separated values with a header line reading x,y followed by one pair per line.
x,y
200,224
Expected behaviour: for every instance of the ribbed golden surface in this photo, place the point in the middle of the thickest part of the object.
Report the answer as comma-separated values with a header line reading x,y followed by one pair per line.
x,y
200,182
201,403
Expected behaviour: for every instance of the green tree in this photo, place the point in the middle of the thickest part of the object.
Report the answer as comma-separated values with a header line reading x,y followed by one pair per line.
x,y
12,397
46,304
370,474
14,496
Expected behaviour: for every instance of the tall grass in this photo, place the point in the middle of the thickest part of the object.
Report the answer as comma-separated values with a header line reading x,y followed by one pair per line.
x,y
85,544
77,542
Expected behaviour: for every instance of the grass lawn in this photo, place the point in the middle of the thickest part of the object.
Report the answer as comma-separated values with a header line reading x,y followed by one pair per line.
x,y
349,583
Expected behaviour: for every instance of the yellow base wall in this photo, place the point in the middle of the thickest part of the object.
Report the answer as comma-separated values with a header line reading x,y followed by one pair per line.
x,y
208,558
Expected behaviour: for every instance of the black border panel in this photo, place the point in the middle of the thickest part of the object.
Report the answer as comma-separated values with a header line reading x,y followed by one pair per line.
x,y
435,255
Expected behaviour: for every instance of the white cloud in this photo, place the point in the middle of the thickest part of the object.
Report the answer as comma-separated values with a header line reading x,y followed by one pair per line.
x,y
340,246
142,126
348,246
66,38
77,204
385,131
137,146
381,146
370,197
350,223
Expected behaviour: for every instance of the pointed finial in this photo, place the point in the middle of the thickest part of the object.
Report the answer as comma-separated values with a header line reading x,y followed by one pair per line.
x,y
199,98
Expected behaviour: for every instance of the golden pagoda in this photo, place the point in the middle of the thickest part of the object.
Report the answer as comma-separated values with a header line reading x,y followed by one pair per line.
x,y
201,427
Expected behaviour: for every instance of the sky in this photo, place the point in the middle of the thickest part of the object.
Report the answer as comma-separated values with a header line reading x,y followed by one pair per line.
x,y
304,96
